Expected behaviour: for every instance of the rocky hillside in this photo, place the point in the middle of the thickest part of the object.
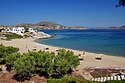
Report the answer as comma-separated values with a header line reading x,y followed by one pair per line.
x,y
49,25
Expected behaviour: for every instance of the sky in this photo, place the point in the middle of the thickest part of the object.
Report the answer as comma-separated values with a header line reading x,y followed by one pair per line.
x,y
89,13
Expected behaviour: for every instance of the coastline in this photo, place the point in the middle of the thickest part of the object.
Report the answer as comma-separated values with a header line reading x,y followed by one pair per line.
x,y
108,61
79,50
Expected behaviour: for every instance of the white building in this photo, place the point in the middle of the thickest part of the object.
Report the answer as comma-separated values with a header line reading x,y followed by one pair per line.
x,y
18,30
32,30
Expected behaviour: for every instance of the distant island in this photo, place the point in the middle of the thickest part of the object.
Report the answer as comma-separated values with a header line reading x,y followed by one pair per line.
x,y
112,27
45,25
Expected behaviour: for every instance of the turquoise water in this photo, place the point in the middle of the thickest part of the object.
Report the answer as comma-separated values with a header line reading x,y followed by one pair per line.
x,y
111,42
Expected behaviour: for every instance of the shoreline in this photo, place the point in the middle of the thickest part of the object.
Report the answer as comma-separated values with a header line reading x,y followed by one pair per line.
x,y
51,36
79,50
108,61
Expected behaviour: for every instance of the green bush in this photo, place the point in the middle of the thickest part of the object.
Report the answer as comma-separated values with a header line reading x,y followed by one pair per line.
x,y
44,63
69,79
6,50
24,66
66,79
10,59
41,62
115,81
13,36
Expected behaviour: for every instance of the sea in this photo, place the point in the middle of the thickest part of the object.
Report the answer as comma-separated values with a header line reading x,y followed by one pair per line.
x,y
109,42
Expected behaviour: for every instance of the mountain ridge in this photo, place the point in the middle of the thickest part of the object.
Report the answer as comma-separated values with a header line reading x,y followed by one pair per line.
x,y
48,25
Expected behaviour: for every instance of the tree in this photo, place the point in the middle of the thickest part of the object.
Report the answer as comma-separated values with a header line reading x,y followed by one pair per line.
x,y
6,50
24,67
2,51
11,49
44,63
49,64
121,3
66,61
70,57
61,67
10,59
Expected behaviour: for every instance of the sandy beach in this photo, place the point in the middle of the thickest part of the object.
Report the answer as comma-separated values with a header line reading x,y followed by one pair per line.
x,y
89,58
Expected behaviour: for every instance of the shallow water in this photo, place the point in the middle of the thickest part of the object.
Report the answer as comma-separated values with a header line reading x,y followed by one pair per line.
x,y
111,42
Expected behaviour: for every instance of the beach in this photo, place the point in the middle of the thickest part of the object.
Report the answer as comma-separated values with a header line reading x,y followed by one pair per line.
x,y
107,61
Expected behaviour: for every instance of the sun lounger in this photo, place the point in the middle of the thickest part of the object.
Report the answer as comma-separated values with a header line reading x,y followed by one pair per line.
x,y
115,77
111,78
122,77
108,78
101,79
119,78
92,79
104,79
96,79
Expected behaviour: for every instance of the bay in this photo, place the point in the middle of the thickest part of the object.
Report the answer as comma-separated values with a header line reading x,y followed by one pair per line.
x,y
110,42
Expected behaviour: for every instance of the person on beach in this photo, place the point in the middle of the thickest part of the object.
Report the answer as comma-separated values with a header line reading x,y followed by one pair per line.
x,y
26,46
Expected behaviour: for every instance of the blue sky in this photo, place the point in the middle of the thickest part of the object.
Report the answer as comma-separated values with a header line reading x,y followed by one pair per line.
x,y
90,13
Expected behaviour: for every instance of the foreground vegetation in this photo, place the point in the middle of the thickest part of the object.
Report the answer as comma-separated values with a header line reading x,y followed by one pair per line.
x,y
69,79
115,81
6,50
57,68
38,63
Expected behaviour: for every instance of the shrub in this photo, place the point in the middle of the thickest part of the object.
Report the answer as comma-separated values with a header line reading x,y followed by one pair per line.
x,y
24,67
69,79
41,62
115,81
10,59
12,36
6,50
45,63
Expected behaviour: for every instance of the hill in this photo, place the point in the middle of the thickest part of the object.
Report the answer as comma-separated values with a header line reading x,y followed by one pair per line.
x,y
49,25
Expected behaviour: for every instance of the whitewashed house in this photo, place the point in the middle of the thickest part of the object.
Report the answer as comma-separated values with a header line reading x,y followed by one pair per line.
x,y
32,30
18,30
